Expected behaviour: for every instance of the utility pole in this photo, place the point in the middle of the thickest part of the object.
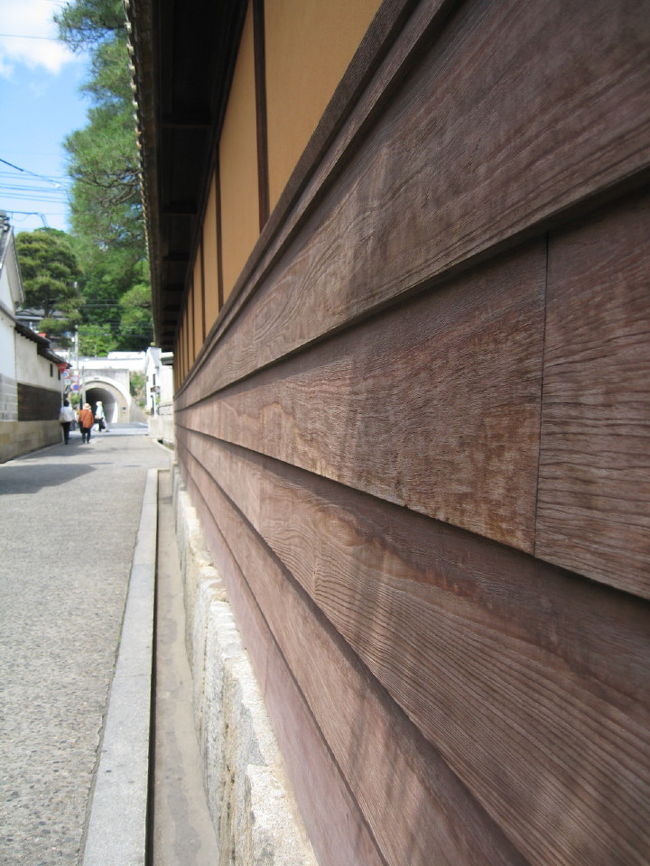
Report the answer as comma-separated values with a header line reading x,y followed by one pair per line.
x,y
76,359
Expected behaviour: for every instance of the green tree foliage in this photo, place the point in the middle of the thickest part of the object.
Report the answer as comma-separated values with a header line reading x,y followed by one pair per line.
x,y
106,211
83,24
135,316
50,274
137,387
95,340
103,160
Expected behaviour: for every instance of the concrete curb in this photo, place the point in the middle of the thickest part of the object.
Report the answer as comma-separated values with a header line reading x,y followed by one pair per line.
x,y
117,824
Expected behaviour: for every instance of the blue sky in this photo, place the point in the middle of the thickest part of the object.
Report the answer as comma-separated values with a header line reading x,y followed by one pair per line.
x,y
40,104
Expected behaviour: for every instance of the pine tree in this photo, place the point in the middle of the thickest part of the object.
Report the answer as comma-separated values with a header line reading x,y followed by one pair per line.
x,y
106,210
51,276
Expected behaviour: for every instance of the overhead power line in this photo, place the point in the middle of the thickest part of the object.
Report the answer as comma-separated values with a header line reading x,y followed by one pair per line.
x,y
11,175
34,192
26,36
32,173
33,213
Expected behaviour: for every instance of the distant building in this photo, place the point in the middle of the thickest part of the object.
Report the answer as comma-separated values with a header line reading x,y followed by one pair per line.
x,y
31,318
108,379
31,382
160,394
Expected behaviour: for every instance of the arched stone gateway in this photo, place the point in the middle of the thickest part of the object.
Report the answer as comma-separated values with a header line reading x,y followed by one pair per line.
x,y
117,402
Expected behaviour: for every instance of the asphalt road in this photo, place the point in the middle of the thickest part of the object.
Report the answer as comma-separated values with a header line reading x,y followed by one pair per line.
x,y
68,522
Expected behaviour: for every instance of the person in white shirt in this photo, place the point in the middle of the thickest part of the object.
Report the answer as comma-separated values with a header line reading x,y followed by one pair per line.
x,y
100,416
66,417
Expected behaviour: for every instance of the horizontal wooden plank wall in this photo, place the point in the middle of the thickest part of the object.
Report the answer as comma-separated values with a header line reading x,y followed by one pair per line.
x,y
386,760
525,679
418,438
440,181
434,405
594,494
322,790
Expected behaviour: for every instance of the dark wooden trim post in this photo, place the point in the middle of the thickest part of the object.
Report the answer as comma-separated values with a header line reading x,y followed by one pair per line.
x,y
217,207
260,109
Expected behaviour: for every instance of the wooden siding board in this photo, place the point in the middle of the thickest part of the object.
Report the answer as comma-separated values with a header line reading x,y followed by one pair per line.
x,y
392,18
508,121
434,405
336,828
531,682
594,490
417,809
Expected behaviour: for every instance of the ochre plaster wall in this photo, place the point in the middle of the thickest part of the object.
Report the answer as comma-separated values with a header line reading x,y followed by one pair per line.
x,y
238,161
309,45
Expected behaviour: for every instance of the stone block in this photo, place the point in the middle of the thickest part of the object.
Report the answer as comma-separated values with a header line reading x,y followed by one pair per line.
x,y
250,800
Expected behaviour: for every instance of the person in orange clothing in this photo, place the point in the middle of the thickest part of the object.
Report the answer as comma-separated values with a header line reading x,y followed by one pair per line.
x,y
86,421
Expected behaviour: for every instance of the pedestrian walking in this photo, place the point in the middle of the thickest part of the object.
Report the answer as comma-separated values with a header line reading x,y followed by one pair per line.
x,y
86,421
100,416
66,419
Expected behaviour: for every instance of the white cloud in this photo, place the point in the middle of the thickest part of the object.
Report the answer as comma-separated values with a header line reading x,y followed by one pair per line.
x,y
30,18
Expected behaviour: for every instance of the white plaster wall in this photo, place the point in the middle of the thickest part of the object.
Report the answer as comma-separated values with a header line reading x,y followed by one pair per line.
x,y
7,350
8,391
7,347
5,290
133,361
166,384
161,426
11,289
119,391
33,369
89,372
160,376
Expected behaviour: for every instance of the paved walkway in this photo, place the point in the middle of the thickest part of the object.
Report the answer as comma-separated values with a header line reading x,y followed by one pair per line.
x,y
68,522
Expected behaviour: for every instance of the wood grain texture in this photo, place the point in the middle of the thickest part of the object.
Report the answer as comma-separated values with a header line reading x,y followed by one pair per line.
x,y
332,817
594,491
417,809
434,405
531,682
510,118
378,48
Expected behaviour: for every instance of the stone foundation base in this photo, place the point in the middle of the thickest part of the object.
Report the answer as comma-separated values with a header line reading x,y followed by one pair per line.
x,y
21,437
161,428
252,808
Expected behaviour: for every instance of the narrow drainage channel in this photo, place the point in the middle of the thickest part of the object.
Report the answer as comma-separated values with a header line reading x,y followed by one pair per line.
x,y
180,828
